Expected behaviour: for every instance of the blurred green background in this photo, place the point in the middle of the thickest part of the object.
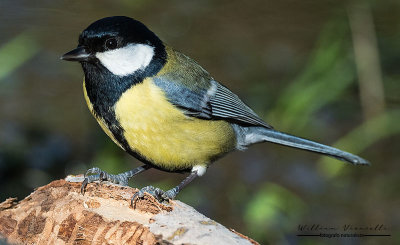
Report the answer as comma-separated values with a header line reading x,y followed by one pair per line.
x,y
326,70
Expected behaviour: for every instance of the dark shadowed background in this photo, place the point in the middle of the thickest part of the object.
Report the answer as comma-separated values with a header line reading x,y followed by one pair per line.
x,y
326,70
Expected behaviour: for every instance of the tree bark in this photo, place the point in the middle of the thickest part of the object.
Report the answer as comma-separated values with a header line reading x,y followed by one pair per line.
x,y
59,214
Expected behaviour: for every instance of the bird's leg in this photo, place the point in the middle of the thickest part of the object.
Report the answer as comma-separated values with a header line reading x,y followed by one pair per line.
x,y
161,195
101,175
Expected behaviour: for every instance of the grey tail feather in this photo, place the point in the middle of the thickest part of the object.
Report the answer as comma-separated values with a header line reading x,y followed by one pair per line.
x,y
274,136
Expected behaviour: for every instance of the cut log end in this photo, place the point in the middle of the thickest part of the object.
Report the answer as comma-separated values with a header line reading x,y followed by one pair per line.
x,y
59,214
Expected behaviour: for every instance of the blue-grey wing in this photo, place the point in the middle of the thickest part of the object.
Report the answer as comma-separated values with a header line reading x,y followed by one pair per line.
x,y
209,100
225,104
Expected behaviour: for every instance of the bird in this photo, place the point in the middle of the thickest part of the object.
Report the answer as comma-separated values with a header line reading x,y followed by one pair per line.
x,y
164,109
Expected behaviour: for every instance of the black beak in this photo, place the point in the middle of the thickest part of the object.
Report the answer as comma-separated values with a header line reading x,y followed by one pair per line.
x,y
78,54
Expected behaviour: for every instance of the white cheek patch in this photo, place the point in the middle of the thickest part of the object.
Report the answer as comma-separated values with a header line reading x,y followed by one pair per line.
x,y
125,61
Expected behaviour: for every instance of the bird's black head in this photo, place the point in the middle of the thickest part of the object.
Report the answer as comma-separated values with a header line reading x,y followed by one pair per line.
x,y
120,45
116,32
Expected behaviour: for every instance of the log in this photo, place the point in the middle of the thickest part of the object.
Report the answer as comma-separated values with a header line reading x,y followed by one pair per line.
x,y
58,213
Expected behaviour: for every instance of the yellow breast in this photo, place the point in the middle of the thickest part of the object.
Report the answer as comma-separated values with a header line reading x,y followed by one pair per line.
x,y
161,133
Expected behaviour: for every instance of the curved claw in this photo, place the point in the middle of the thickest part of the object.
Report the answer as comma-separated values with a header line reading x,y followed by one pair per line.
x,y
101,176
157,193
87,180
84,184
138,194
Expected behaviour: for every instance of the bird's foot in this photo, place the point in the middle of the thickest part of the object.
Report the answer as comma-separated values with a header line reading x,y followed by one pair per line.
x,y
94,174
157,193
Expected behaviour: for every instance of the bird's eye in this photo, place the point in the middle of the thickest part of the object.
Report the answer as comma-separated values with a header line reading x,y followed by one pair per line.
x,y
111,43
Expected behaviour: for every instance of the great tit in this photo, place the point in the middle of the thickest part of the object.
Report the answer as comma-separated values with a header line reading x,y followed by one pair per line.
x,y
163,108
